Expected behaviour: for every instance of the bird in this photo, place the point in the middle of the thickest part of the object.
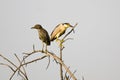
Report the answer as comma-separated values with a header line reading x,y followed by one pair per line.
x,y
59,30
43,35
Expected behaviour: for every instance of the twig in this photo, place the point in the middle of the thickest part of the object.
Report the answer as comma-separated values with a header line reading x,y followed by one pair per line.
x,y
48,62
26,64
18,69
61,70
7,66
22,67
73,74
66,74
66,77
68,39
6,59
33,60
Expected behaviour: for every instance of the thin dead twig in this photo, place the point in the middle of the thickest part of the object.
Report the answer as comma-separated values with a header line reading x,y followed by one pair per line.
x,y
33,60
25,74
65,74
7,66
48,62
61,70
6,59
73,74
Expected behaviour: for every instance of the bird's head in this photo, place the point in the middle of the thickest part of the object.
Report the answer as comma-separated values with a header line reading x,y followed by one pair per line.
x,y
37,26
67,25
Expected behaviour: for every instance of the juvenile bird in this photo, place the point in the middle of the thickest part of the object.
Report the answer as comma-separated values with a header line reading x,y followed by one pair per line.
x,y
43,35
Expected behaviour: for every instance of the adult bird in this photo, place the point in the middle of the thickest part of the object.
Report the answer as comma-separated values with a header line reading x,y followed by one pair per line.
x,y
43,35
59,30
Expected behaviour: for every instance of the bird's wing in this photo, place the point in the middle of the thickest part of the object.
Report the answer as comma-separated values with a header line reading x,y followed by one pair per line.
x,y
44,33
47,41
55,31
44,36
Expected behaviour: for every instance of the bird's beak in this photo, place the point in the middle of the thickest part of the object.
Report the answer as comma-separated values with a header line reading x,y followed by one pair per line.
x,y
32,27
72,28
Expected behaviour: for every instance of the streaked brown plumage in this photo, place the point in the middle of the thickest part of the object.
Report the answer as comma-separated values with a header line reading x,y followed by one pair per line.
x,y
43,34
59,30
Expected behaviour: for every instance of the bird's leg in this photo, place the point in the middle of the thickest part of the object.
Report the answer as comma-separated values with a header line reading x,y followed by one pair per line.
x,y
46,48
57,39
42,47
60,42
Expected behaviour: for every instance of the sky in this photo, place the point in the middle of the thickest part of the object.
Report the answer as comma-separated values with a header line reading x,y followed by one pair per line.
x,y
94,51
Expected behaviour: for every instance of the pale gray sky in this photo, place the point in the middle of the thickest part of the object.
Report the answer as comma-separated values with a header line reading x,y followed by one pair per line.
x,y
95,50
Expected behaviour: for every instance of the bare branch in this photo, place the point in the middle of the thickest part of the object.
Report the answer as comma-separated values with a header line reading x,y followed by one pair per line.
x,y
61,70
54,57
6,59
70,73
33,60
18,69
7,66
68,39
65,74
22,67
73,74
48,62
65,67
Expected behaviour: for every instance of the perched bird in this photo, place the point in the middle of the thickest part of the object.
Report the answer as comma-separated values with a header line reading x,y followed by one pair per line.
x,y
59,31
43,35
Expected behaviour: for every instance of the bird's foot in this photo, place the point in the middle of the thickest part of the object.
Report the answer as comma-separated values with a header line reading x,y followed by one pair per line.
x,y
61,43
58,40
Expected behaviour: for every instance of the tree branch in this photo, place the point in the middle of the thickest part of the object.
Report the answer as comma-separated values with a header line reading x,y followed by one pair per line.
x,y
10,62
54,57
61,70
